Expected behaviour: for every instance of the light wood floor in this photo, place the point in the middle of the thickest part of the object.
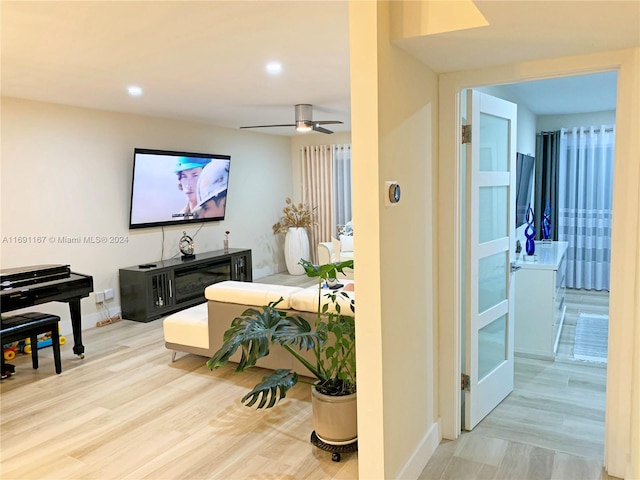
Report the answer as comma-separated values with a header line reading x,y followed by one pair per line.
x,y
127,412
550,427
579,301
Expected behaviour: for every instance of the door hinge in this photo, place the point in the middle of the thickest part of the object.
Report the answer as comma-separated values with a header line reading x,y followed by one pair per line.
x,y
466,134
465,383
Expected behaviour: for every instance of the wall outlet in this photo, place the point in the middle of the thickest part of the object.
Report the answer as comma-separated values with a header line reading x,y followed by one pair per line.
x,y
108,294
99,297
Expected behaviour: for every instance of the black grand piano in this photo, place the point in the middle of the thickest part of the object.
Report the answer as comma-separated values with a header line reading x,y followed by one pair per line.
x,y
27,286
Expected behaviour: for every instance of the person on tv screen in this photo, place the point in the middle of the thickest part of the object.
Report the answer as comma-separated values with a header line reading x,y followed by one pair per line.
x,y
212,190
188,170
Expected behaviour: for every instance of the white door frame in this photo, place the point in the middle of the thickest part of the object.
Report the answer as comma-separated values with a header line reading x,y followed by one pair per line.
x,y
624,304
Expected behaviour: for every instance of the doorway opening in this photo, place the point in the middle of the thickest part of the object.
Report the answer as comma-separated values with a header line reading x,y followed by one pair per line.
x,y
569,420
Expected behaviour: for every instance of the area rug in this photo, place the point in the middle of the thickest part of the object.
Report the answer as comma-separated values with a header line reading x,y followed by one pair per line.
x,y
592,334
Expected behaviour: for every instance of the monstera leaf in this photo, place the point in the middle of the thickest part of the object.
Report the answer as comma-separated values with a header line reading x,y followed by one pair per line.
x,y
332,339
255,330
326,271
271,389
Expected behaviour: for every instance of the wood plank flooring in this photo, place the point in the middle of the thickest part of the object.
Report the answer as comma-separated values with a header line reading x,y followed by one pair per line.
x,y
579,301
550,427
127,412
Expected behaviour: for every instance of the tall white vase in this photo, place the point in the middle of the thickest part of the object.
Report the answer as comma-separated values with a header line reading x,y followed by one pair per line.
x,y
296,246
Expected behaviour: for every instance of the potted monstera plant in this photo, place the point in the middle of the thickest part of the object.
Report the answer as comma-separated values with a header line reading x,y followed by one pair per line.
x,y
332,340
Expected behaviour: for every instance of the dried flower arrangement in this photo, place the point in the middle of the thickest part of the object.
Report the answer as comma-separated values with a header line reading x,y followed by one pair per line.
x,y
300,215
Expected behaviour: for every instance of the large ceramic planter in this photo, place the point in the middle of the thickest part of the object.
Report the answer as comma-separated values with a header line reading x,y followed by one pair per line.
x,y
335,418
296,246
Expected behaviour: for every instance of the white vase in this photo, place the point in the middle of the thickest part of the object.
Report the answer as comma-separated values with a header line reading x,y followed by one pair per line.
x,y
296,246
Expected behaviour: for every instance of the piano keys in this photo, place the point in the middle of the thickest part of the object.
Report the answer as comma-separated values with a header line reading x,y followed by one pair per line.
x,y
28,286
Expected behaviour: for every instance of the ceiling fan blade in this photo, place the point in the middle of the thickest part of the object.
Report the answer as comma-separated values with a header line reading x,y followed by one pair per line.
x,y
318,128
326,122
265,126
304,113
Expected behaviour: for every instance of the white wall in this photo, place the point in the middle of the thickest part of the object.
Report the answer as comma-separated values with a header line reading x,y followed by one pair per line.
x,y
394,102
66,171
550,123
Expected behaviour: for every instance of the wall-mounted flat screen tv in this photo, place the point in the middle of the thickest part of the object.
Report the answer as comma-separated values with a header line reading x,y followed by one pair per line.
x,y
172,188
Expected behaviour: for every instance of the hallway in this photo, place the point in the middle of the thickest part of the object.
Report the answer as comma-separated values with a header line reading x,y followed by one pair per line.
x,y
551,427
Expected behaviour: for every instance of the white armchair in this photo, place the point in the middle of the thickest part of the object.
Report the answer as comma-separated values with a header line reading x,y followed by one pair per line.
x,y
326,253
337,251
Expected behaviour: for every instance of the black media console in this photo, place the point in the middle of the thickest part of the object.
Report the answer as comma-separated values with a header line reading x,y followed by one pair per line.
x,y
153,290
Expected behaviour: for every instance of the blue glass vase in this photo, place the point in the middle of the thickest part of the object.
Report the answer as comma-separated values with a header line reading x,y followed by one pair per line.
x,y
546,222
530,231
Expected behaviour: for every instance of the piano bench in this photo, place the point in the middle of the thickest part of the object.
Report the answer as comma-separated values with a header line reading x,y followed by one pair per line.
x,y
32,324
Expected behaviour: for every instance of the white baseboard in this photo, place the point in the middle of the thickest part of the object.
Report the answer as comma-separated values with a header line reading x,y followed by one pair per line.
x,y
420,457
266,271
89,320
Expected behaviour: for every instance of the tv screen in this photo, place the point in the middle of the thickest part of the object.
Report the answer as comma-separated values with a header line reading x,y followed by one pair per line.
x,y
171,188
524,182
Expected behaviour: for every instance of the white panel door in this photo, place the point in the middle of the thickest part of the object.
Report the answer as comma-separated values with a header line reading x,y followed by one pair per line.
x,y
490,240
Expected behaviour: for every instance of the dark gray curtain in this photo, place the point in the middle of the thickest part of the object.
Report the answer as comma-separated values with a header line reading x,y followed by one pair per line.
x,y
546,180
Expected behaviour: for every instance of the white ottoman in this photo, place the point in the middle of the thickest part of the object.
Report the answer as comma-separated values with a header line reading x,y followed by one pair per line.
x,y
188,330
199,329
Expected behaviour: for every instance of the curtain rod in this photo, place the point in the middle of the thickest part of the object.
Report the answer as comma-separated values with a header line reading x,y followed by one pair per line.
x,y
595,130
337,145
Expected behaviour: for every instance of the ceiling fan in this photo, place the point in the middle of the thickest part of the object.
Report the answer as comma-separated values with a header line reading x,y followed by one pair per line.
x,y
304,121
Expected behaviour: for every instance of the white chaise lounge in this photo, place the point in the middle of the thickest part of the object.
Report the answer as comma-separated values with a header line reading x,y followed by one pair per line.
x,y
199,330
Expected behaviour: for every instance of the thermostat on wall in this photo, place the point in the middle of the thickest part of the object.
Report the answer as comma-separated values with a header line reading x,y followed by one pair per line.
x,y
393,193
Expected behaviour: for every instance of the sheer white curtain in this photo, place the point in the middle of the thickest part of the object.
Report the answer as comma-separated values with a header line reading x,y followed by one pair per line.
x,y
341,160
317,191
326,186
585,204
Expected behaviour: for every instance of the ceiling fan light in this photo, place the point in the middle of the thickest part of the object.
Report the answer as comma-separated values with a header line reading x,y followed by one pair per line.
x,y
302,127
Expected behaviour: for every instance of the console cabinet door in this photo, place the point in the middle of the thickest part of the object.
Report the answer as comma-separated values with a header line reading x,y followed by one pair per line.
x,y
161,292
241,270
146,295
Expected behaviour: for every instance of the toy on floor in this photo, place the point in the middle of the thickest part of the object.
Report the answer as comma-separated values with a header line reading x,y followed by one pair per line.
x,y
24,346
9,351
43,341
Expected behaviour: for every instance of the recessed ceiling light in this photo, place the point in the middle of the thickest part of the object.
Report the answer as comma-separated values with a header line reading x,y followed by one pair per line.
x,y
134,90
273,68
